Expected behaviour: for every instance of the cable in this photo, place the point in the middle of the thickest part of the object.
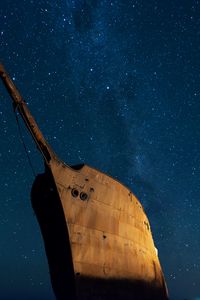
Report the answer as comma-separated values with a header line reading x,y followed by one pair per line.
x,y
20,110
22,141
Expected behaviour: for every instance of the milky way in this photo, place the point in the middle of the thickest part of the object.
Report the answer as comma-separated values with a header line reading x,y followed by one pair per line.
x,y
114,84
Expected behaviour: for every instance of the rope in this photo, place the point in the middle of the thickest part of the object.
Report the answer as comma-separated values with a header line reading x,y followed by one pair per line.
x,y
28,126
23,143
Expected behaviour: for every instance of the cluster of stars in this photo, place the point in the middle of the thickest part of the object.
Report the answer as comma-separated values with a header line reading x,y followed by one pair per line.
x,y
114,85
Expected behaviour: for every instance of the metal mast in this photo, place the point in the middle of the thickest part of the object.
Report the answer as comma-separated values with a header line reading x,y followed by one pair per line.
x,y
29,121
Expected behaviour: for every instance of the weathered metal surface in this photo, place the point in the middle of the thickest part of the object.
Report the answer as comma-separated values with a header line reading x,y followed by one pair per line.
x,y
109,232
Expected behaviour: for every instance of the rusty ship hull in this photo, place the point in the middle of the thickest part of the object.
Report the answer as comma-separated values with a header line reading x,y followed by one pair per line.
x,y
108,250
96,234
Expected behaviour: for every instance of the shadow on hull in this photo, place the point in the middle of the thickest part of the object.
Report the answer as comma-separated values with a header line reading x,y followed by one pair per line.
x,y
48,209
117,289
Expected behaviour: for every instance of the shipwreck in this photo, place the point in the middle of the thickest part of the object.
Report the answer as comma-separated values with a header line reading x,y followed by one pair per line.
x,y
97,237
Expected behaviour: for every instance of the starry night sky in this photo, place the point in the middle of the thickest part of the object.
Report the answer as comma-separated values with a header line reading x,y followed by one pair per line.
x,y
114,84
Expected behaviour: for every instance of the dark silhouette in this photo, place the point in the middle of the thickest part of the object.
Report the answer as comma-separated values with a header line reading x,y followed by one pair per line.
x,y
47,206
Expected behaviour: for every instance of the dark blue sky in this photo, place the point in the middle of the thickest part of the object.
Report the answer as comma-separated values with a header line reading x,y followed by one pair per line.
x,y
114,84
